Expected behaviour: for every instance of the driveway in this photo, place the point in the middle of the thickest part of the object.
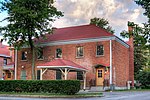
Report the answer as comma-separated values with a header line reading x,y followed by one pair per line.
x,y
107,96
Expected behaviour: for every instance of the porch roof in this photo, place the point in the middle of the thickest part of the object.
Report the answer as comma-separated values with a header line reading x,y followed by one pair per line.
x,y
62,63
9,66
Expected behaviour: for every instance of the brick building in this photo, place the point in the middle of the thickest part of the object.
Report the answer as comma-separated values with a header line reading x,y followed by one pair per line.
x,y
105,56
6,62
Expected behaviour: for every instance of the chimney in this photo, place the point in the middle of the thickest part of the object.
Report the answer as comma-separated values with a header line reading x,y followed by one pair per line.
x,y
131,52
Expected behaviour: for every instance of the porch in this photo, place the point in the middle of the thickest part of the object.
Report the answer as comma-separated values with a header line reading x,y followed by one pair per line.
x,y
65,67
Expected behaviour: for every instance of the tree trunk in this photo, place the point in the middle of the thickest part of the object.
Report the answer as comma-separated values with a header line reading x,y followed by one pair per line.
x,y
33,63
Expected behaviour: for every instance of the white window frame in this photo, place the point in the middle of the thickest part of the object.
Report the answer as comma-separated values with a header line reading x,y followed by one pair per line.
x,y
77,52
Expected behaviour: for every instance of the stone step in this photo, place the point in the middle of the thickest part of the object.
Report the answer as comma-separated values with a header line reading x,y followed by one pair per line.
x,y
98,88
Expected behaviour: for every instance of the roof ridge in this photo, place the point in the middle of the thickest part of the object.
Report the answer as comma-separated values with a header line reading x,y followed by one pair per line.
x,y
74,26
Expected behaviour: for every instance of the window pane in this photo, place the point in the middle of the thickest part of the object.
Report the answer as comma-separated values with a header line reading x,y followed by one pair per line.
x,y
40,53
5,61
100,50
58,53
79,75
58,75
99,73
9,75
38,74
24,55
79,51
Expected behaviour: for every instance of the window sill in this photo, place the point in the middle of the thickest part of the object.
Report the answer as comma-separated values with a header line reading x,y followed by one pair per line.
x,y
40,59
23,60
79,57
99,55
58,58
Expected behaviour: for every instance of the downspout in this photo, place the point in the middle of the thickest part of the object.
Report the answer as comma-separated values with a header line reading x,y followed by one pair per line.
x,y
15,64
111,84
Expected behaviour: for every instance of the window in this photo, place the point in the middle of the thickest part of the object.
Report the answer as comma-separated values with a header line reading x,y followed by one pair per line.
x,y
8,75
80,51
40,53
24,55
99,73
58,75
79,75
38,75
100,50
5,61
58,53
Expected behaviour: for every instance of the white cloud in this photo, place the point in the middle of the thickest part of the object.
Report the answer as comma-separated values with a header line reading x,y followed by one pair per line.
x,y
118,12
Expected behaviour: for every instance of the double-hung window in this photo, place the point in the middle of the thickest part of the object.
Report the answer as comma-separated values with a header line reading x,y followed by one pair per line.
x,y
79,51
100,50
24,55
58,53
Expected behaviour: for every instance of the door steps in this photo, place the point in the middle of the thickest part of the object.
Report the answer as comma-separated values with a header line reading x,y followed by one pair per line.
x,y
98,89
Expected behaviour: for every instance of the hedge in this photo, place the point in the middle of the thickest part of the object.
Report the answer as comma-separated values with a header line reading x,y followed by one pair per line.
x,y
144,78
45,86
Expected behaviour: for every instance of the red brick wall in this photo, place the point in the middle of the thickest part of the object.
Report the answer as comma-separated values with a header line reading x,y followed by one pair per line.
x,y
1,64
120,64
120,60
131,57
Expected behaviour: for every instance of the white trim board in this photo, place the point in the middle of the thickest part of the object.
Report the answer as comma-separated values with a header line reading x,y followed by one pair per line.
x,y
85,40
53,43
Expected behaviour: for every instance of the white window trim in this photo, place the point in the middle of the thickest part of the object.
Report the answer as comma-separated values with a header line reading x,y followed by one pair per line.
x,y
77,52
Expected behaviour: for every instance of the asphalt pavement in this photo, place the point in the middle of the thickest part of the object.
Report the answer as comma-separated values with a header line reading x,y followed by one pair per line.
x,y
133,95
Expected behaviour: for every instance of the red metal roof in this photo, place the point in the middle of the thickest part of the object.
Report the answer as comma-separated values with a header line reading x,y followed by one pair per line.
x,y
62,63
75,33
4,50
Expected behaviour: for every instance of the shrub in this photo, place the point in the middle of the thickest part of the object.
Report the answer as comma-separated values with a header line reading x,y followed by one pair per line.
x,y
49,86
144,78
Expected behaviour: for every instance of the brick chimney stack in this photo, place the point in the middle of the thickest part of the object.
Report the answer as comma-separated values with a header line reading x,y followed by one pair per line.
x,y
131,53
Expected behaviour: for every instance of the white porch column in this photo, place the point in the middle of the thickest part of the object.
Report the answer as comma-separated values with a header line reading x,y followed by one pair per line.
x,y
42,72
66,73
41,75
111,84
84,79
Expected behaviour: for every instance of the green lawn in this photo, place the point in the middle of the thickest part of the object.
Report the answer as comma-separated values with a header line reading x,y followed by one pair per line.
x,y
51,95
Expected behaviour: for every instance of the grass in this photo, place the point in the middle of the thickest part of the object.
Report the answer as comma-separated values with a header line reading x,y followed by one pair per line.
x,y
51,95
134,90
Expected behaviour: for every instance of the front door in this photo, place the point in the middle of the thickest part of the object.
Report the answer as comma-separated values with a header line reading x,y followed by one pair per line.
x,y
23,75
99,76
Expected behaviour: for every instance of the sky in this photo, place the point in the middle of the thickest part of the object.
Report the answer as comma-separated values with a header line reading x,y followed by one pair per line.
x,y
79,12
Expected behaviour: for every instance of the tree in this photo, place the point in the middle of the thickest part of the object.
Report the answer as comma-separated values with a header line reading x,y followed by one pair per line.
x,y
140,46
28,19
146,5
103,23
